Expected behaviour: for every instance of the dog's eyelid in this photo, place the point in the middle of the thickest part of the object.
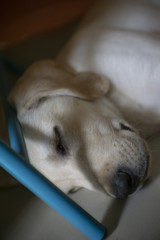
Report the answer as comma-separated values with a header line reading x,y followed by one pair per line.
x,y
125,127
61,146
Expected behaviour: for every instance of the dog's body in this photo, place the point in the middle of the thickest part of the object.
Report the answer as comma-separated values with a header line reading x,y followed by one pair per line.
x,y
121,41
75,135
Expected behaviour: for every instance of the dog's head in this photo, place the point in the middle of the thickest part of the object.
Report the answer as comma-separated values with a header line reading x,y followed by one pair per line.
x,y
74,135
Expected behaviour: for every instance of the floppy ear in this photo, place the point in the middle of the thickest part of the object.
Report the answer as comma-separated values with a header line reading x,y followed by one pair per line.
x,y
50,78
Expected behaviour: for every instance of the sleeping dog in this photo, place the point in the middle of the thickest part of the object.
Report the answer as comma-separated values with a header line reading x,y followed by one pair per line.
x,y
85,120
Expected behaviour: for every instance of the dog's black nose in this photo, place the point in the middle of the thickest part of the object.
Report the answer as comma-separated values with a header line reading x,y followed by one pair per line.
x,y
125,182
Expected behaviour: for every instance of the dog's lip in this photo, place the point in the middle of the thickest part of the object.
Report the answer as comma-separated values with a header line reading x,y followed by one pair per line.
x,y
148,163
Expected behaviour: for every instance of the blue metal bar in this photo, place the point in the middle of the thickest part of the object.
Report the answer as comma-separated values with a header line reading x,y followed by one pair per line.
x,y
14,128
45,190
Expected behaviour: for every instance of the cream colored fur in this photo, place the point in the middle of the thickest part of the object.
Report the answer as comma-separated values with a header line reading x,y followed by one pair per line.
x,y
120,39
50,96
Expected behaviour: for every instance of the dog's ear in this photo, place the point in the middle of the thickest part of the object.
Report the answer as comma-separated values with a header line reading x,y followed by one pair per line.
x,y
49,78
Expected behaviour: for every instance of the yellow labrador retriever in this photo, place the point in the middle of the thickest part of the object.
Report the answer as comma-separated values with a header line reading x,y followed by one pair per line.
x,y
75,136
81,122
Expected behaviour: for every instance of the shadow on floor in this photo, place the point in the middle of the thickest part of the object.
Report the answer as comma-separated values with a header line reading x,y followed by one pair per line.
x,y
113,215
13,201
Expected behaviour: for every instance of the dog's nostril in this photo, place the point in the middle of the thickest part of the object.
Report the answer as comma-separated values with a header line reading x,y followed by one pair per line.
x,y
124,183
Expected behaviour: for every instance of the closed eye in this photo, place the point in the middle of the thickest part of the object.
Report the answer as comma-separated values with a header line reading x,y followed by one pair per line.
x,y
60,145
125,127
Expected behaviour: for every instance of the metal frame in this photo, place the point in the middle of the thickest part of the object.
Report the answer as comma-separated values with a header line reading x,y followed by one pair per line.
x,y
14,160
